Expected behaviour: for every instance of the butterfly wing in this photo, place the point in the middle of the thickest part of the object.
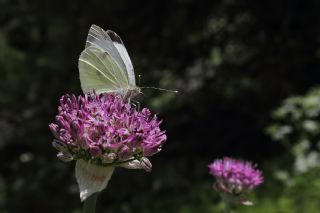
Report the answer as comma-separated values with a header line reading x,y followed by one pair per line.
x,y
100,72
97,37
101,67
124,56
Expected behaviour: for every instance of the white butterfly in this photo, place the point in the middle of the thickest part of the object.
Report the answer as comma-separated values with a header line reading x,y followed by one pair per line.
x,y
105,65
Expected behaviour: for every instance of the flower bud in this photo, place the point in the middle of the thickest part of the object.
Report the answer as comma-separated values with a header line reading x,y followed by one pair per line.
x,y
54,129
65,156
146,164
108,157
58,145
95,151
124,153
75,130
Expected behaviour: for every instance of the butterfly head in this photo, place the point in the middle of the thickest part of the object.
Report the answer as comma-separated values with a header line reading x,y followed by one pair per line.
x,y
132,92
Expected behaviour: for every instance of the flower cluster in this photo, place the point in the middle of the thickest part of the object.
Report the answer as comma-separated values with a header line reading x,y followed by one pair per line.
x,y
234,176
105,130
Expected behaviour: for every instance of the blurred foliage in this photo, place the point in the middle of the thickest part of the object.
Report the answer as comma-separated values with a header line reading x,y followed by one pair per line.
x,y
297,127
233,61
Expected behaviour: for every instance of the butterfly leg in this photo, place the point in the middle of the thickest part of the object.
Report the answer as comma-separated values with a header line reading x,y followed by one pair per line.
x,y
136,104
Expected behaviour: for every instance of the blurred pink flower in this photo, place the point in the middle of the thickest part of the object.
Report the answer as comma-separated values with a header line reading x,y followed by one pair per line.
x,y
235,177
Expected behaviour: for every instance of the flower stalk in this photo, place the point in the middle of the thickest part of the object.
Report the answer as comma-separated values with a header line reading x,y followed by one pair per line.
x,y
89,205
227,205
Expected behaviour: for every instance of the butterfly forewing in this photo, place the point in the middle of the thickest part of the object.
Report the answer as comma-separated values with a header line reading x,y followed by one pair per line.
x,y
100,72
97,37
124,56
105,66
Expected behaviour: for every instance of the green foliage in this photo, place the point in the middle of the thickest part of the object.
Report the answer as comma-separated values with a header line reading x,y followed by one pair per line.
x,y
301,196
297,127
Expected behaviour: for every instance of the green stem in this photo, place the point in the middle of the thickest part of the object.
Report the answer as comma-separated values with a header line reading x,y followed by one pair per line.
x,y
227,203
89,205
227,206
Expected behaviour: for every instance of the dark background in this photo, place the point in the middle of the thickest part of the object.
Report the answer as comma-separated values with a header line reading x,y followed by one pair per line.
x,y
236,64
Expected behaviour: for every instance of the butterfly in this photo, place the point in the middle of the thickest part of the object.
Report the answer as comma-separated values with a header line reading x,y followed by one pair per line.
x,y
105,65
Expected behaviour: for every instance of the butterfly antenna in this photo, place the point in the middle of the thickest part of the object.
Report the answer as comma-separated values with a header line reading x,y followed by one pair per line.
x,y
161,89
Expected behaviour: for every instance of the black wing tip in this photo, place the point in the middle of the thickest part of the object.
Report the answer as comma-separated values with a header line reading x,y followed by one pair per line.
x,y
114,36
111,33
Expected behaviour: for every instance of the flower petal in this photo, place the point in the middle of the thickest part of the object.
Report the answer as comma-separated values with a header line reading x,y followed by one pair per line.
x,y
146,164
65,156
91,178
136,164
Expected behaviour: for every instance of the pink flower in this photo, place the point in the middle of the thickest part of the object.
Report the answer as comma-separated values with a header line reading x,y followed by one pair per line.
x,y
235,177
104,129
102,132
